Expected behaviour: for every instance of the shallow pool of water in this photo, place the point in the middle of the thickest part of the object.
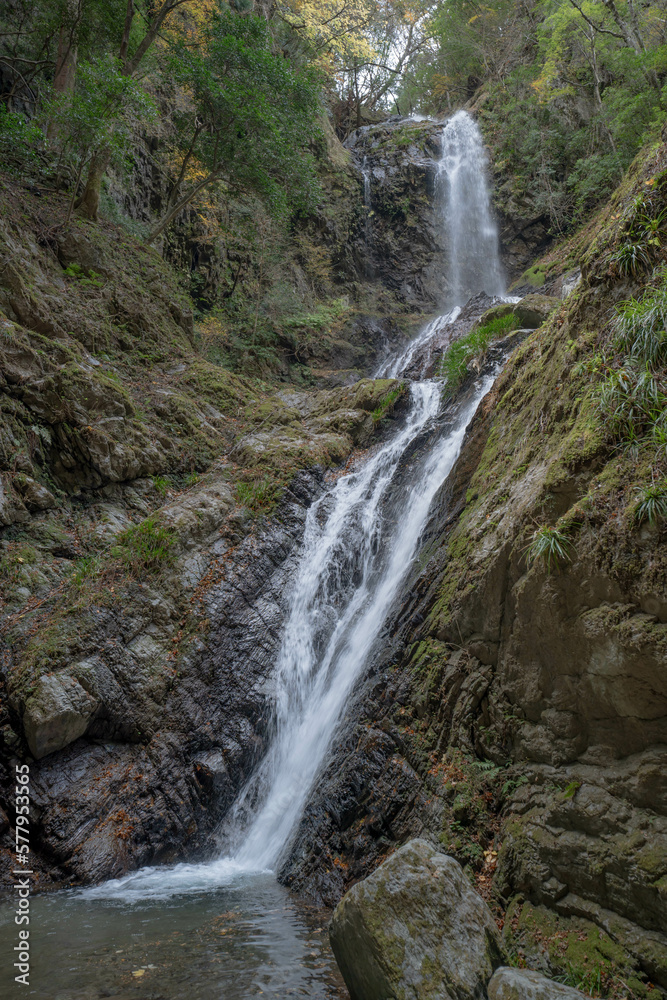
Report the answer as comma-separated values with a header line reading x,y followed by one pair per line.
x,y
247,939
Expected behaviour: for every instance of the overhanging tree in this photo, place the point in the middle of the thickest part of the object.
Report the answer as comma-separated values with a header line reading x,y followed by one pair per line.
x,y
252,115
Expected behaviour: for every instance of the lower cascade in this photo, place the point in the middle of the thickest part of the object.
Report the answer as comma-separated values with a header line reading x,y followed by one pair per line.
x,y
361,537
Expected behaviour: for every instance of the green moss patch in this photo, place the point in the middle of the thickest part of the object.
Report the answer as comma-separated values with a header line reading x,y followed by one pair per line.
x,y
573,951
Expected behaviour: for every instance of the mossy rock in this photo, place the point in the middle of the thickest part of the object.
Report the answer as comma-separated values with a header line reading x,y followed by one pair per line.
x,y
533,310
584,955
415,928
535,276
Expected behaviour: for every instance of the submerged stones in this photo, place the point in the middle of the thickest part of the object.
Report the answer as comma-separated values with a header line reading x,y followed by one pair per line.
x,y
415,930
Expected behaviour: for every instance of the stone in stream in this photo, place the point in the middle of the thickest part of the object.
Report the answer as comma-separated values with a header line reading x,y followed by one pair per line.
x,y
522,984
415,930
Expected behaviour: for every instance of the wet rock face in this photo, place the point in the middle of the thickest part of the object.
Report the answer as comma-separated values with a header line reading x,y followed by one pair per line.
x,y
415,930
400,236
399,241
134,764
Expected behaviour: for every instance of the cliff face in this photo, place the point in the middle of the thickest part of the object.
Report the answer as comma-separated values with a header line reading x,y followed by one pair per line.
x,y
140,601
518,711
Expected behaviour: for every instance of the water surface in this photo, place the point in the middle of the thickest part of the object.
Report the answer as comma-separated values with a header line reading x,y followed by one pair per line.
x,y
250,938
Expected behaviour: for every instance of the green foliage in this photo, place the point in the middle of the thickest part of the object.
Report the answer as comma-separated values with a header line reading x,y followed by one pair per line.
x,y
255,111
257,495
590,982
322,317
632,392
162,485
550,546
148,545
651,503
90,279
85,568
631,399
21,140
106,108
642,240
566,106
453,366
631,258
512,784
388,401
641,326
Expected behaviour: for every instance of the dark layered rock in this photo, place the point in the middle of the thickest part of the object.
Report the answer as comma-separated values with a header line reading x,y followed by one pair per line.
x,y
163,756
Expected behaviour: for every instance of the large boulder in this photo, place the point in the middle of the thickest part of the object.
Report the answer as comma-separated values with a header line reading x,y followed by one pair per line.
x,y
521,984
57,713
415,930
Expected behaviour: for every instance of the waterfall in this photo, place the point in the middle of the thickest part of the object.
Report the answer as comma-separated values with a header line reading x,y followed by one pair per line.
x,y
471,237
360,540
368,225
469,234
358,546
356,552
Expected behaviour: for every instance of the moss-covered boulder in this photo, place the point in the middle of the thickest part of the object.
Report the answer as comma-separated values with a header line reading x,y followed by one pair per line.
x,y
415,930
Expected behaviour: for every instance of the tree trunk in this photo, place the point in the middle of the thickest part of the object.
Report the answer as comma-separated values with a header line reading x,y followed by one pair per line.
x,y
173,212
89,203
66,59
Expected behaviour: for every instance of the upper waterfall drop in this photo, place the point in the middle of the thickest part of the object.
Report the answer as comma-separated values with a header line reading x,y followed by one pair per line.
x,y
471,236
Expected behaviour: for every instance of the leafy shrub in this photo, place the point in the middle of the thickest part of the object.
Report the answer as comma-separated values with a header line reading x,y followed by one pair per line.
x,y
551,546
148,545
21,140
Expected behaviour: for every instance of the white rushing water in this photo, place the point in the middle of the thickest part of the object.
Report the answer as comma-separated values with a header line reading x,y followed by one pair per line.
x,y
368,224
470,232
360,541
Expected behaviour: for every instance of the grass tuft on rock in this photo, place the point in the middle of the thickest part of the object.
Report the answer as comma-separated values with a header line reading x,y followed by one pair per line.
x,y
550,546
651,503
148,545
454,364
